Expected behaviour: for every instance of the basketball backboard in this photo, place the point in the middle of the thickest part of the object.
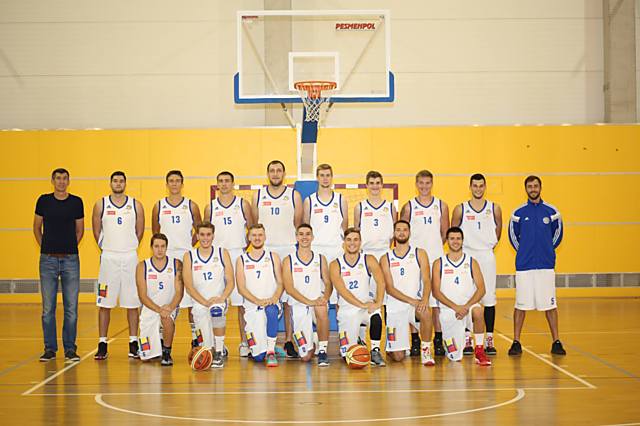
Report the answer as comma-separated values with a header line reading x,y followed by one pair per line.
x,y
276,48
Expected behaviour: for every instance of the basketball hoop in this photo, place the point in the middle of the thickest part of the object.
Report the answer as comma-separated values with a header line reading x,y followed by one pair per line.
x,y
313,94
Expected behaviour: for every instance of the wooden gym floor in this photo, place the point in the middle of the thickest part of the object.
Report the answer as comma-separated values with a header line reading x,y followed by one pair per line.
x,y
598,382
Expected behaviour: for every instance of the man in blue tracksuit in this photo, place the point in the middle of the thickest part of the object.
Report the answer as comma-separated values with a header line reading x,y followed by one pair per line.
x,y
535,230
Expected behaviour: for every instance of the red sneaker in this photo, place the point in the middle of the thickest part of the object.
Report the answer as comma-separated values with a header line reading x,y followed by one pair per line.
x,y
481,356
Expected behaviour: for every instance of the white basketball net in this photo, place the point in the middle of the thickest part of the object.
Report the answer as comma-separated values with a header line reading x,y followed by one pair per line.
x,y
314,94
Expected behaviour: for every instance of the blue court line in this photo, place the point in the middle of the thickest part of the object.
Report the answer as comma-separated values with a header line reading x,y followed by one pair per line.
x,y
588,354
309,381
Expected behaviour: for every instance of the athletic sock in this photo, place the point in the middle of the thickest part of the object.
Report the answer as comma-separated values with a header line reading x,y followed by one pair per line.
x,y
131,339
425,344
193,331
479,337
271,344
102,339
375,344
219,343
323,345
363,333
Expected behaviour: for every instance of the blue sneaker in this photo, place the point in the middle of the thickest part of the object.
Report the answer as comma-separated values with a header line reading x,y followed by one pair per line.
x,y
280,353
323,359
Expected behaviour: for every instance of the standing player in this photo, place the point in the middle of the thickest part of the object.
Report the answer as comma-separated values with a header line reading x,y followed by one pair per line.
x,y
208,278
535,231
118,226
326,211
375,218
279,209
259,279
305,275
351,277
159,282
458,286
429,219
176,217
231,216
481,222
406,272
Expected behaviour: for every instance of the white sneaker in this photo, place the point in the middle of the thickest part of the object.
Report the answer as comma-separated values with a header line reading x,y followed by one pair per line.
x,y
426,358
244,350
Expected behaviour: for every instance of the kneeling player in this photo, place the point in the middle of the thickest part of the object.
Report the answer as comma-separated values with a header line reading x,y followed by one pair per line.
x,y
258,276
351,276
458,286
305,274
208,279
406,272
159,283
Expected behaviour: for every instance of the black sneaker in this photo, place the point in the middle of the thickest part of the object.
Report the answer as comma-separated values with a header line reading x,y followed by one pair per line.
x,y
71,355
557,349
133,350
291,350
438,349
166,359
47,355
376,358
194,343
489,347
515,349
323,359
218,360
102,352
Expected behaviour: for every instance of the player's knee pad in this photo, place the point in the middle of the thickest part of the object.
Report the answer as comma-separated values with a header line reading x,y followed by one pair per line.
x,y
218,315
260,357
219,322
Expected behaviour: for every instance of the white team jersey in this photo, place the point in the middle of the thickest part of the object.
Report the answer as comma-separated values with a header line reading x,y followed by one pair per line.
x,y
259,275
326,220
276,214
176,222
307,277
160,282
425,227
405,272
208,273
456,279
479,227
357,279
118,232
376,226
230,224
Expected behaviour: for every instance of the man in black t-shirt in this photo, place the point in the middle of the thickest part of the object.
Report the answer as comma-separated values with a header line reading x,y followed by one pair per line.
x,y
58,226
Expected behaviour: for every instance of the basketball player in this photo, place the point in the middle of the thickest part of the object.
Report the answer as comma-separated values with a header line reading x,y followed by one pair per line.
x,y
375,217
208,278
458,286
351,277
176,217
259,279
326,211
231,216
429,219
159,282
481,222
279,209
406,273
118,226
305,275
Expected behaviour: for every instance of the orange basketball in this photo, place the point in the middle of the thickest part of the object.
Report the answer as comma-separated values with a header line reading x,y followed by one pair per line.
x,y
358,357
201,359
192,352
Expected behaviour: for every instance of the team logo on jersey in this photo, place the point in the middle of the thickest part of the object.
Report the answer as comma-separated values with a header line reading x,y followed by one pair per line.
x,y
128,207
197,267
251,341
411,255
102,290
360,266
368,214
435,207
385,209
335,205
152,276
448,271
344,341
391,334
394,264
466,266
317,210
545,220
184,207
219,213
266,203
488,212
145,345
419,213
471,217
249,266
285,198
300,339
450,344
166,211
111,213
297,269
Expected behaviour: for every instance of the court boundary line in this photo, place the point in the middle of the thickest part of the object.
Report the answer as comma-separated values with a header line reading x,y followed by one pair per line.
x,y
551,364
520,394
64,370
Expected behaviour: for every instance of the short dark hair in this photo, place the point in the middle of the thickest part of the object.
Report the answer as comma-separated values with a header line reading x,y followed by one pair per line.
x,y
477,176
159,236
372,175
174,172
531,178
424,174
118,173
401,221
59,170
455,230
304,225
272,162
352,230
226,173
205,224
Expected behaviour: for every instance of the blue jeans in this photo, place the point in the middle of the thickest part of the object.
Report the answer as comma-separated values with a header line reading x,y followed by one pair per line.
x,y
67,268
